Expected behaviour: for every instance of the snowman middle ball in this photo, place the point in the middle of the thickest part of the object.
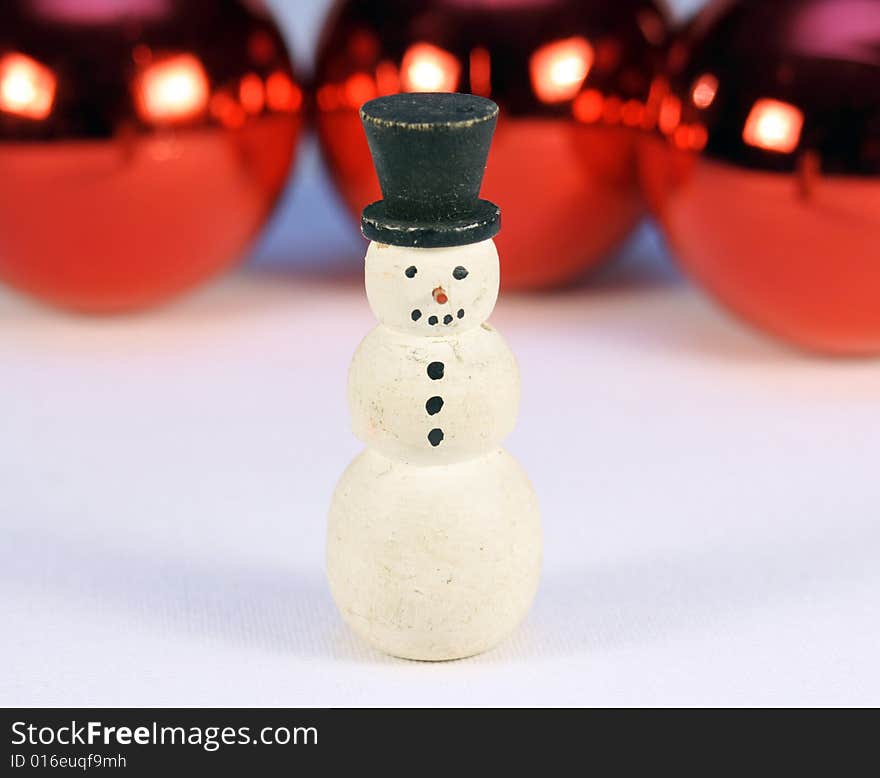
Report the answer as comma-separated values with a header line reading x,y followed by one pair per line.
x,y
433,305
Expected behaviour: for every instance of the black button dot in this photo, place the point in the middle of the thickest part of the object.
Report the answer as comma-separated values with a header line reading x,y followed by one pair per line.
x,y
435,436
432,320
461,313
435,371
459,273
416,314
411,271
434,405
447,319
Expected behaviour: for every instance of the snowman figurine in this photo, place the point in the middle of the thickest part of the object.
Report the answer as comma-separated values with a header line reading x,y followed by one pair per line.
x,y
434,538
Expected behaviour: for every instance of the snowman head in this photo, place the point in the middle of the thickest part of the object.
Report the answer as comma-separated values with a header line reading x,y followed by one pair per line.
x,y
432,292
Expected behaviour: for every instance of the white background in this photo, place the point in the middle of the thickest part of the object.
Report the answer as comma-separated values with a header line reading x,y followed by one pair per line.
x,y
711,499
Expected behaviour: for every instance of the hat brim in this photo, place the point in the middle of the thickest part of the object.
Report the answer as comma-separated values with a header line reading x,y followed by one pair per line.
x,y
482,224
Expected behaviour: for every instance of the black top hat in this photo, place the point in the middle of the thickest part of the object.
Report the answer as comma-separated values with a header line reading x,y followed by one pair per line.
x,y
430,154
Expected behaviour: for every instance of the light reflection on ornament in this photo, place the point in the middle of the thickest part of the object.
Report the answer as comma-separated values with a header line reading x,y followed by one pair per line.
x,y
282,95
612,111
172,89
588,105
428,68
27,88
632,114
262,47
142,55
690,137
387,78
658,90
809,173
100,12
774,126
559,69
699,137
652,26
481,72
227,110
670,114
704,90
327,97
251,94
359,88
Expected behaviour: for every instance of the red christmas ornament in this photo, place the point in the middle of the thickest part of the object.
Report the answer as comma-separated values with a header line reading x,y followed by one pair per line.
x,y
142,144
765,170
572,78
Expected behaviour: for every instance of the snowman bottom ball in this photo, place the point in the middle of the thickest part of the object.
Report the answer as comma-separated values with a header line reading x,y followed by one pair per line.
x,y
434,563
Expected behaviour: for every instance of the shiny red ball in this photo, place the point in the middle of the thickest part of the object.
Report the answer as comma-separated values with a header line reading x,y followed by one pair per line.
x,y
572,78
765,170
142,144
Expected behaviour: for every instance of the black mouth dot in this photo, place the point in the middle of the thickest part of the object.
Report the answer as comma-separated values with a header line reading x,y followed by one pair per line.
x,y
461,313
435,371
432,320
434,405
416,314
411,271
435,437
447,319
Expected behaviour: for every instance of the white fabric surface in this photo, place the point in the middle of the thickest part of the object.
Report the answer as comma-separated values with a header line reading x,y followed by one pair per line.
x,y
711,500
710,504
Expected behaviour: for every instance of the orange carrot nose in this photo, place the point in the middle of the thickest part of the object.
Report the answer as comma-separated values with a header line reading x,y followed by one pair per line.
x,y
440,295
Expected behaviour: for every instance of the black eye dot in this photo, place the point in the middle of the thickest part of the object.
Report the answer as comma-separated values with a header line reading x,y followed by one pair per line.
x,y
411,271
416,314
461,313
432,320
459,273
